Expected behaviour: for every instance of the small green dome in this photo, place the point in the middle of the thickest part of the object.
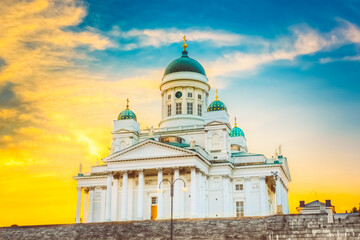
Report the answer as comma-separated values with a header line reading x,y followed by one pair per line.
x,y
217,106
236,132
127,114
184,64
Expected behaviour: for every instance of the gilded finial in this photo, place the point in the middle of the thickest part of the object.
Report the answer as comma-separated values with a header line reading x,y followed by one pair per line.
x,y
127,104
217,98
235,123
184,45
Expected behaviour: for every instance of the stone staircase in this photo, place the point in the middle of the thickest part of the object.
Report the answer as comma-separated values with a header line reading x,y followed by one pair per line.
x,y
277,227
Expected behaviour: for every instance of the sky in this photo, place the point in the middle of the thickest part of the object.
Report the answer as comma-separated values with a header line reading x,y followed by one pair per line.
x,y
288,70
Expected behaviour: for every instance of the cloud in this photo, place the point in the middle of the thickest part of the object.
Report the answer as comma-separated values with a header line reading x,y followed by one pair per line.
x,y
139,38
303,41
8,98
346,58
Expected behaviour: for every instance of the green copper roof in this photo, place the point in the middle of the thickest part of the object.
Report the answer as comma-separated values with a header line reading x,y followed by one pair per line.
x,y
184,64
217,106
127,114
236,132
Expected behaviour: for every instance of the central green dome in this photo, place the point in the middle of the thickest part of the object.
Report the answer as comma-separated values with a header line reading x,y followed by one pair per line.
x,y
184,64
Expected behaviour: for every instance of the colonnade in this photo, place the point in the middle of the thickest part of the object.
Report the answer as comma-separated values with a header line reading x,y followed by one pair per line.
x,y
198,196
197,193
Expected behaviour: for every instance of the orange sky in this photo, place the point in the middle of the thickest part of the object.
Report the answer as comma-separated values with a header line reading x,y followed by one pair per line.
x,y
58,119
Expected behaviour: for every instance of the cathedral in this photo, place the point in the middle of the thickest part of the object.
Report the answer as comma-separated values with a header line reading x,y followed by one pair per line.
x,y
195,160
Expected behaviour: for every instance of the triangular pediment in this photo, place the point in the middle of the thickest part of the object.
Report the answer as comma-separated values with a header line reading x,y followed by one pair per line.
x,y
212,123
123,131
149,149
217,123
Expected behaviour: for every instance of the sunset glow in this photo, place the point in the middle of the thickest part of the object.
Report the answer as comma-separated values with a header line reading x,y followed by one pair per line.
x,y
290,76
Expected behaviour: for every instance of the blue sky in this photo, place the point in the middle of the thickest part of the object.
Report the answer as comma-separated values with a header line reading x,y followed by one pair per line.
x,y
288,70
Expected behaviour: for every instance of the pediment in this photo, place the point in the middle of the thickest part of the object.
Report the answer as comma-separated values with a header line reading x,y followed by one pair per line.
x,y
149,149
122,131
217,123
214,123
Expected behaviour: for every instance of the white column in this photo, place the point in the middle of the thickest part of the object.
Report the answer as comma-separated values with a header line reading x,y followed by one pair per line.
x,y
225,180
264,198
176,193
278,196
160,208
114,196
184,97
124,197
141,195
91,204
195,96
86,205
78,205
248,188
202,192
108,197
103,203
193,193
287,200
206,196
173,103
284,199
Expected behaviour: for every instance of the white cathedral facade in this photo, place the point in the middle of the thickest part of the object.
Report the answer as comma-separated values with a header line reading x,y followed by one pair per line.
x,y
194,142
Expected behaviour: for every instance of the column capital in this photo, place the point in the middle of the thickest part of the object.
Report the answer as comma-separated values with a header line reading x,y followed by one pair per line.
x,y
116,175
176,168
86,190
193,168
225,176
124,172
78,188
159,169
91,188
140,170
262,178
247,179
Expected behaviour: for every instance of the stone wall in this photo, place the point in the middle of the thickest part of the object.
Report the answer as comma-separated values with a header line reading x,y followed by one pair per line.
x,y
277,227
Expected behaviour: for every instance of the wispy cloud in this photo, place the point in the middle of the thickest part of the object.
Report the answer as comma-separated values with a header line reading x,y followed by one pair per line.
x,y
303,41
139,38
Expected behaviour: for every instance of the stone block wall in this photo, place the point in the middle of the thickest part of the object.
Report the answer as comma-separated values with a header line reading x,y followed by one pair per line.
x,y
277,227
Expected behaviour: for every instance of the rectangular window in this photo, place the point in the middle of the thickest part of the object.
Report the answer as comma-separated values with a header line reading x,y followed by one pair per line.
x,y
153,200
239,187
169,109
189,94
169,96
199,109
178,108
199,96
239,209
189,108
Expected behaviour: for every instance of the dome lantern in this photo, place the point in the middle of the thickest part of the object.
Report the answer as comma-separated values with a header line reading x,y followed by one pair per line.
x,y
184,64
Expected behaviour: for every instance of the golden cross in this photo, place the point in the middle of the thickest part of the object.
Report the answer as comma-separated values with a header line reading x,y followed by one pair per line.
x,y
235,122
127,104
184,45
217,98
